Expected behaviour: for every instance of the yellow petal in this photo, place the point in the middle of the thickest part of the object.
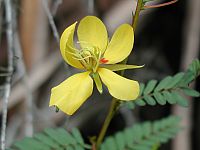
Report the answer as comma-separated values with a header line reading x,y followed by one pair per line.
x,y
72,93
67,46
120,45
92,32
118,86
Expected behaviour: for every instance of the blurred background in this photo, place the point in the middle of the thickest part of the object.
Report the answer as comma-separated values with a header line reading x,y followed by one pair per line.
x,y
166,41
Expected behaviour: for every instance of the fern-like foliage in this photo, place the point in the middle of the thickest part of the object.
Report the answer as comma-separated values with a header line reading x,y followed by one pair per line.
x,y
146,136
52,139
169,90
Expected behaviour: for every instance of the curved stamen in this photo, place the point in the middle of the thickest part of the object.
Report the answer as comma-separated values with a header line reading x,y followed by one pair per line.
x,y
89,55
76,50
74,54
83,58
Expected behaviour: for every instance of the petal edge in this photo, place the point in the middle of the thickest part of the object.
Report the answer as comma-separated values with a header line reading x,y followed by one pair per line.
x,y
118,86
67,46
72,93
120,45
92,31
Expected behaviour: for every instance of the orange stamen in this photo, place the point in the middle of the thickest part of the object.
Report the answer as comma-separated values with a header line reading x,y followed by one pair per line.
x,y
161,5
103,60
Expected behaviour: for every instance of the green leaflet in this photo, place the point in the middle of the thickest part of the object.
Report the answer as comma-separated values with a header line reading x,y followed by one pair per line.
x,y
190,92
149,100
77,135
110,144
118,67
159,98
169,98
31,144
180,99
48,141
142,86
194,67
150,86
175,80
140,102
163,83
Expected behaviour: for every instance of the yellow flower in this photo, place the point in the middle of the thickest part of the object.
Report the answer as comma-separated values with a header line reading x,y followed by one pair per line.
x,y
98,57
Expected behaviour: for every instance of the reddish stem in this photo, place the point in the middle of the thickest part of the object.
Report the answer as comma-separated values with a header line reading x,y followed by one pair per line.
x,y
161,5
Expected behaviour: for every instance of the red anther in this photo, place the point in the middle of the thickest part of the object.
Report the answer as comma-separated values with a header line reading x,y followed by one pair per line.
x,y
103,60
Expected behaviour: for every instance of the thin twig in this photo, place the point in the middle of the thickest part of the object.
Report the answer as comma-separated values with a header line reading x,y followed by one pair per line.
x,y
90,6
51,21
1,24
5,74
2,87
160,5
137,13
28,93
1,3
29,109
22,69
9,32
56,4
3,69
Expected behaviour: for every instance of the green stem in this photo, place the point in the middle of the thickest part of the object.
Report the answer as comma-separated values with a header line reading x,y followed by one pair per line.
x,y
113,108
137,12
115,103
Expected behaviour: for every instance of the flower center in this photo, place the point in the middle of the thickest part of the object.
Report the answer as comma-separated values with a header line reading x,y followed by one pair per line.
x,y
89,56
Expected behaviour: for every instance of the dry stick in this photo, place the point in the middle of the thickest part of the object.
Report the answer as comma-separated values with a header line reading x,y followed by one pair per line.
x,y
1,30
115,102
3,69
29,103
2,88
1,24
51,21
56,4
160,5
5,74
190,46
28,92
90,6
1,2
10,40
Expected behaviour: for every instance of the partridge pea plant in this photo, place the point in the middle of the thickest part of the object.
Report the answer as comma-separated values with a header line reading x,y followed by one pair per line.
x,y
98,59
